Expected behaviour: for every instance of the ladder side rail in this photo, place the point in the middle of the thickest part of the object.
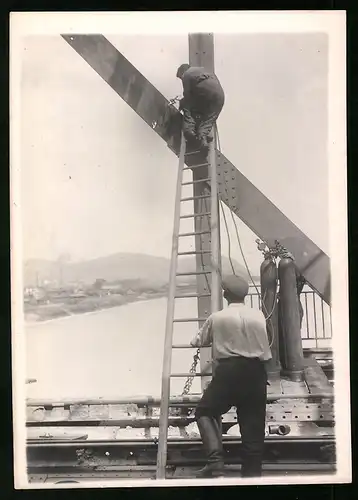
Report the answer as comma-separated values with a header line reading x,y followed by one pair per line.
x,y
203,262
169,325
214,223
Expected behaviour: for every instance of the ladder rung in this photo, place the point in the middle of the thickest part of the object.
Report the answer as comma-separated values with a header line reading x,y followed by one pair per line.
x,y
194,252
196,182
192,296
196,197
195,215
196,166
193,273
182,375
188,320
192,153
195,233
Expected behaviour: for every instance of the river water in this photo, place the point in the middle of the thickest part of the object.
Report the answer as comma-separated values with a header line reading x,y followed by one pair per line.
x,y
109,353
112,353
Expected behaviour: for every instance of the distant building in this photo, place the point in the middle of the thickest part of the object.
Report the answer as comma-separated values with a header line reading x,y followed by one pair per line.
x,y
112,288
36,293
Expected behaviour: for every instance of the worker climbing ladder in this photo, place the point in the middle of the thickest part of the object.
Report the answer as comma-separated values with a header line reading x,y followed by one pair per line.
x,y
212,289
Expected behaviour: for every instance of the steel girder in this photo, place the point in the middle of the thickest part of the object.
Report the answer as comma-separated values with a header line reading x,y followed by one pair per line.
x,y
239,194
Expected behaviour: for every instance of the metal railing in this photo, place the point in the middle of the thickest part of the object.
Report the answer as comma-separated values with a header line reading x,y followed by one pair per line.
x,y
316,330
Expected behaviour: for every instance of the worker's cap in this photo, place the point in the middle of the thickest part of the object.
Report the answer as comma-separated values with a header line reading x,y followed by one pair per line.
x,y
182,69
237,286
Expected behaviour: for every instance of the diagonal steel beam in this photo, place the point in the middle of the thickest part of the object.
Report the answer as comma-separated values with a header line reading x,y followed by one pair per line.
x,y
239,194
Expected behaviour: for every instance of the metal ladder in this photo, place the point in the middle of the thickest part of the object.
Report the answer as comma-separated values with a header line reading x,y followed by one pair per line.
x,y
213,291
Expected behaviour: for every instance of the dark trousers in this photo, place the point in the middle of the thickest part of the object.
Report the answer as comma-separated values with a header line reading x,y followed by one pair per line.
x,y
199,125
242,383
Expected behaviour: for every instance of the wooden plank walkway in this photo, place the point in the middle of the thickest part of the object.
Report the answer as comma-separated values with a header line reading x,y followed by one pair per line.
x,y
315,377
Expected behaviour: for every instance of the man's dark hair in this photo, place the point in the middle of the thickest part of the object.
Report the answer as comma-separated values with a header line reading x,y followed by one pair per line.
x,y
231,297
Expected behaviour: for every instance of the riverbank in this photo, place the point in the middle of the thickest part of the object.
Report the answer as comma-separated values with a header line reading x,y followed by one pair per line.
x,y
74,306
46,312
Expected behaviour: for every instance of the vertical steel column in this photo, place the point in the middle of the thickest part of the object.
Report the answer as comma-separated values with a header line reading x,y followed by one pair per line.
x,y
201,53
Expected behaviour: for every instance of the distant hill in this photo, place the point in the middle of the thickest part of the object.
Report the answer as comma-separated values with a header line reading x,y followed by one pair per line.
x,y
110,268
119,266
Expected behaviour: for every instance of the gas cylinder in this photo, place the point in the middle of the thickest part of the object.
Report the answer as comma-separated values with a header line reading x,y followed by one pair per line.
x,y
268,278
290,321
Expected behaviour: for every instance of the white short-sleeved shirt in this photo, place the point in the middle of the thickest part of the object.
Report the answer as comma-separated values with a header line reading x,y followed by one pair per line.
x,y
237,330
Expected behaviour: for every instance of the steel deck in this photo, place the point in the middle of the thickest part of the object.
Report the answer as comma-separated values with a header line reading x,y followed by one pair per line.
x,y
88,439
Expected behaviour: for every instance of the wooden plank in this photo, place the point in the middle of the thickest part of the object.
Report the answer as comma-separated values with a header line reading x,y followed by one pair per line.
x,y
176,401
309,435
315,378
252,206
120,417
275,413
290,387
274,387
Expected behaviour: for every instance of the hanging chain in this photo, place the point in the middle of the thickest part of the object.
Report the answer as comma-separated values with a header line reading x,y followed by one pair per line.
x,y
192,371
185,412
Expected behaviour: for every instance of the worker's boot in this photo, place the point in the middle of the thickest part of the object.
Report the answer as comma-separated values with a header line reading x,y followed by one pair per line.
x,y
210,137
212,440
189,135
204,143
251,467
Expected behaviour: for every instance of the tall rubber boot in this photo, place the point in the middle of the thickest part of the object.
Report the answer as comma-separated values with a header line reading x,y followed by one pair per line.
x,y
204,146
252,464
212,441
251,468
210,136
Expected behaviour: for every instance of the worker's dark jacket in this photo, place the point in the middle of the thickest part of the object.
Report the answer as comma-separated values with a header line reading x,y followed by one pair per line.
x,y
202,91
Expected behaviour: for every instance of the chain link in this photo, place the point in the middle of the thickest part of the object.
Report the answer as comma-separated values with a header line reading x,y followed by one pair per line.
x,y
189,381
192,371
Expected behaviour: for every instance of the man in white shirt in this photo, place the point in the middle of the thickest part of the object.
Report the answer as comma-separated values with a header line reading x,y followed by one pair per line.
x,y
240,348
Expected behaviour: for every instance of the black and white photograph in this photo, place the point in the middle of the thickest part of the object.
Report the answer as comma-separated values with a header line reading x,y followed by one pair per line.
x,y
179,249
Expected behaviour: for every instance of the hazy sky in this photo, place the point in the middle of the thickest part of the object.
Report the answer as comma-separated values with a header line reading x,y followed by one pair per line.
x,y
97,180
